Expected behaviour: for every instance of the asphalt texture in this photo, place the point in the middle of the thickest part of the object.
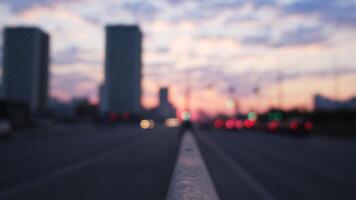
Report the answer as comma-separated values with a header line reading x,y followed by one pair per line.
x,y
253,165
88,162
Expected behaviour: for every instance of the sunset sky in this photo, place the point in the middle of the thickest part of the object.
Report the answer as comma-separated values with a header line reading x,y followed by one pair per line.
x,y
220,44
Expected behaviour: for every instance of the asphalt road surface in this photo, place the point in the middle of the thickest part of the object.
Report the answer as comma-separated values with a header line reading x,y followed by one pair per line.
x,y
88,162
125,162
250,165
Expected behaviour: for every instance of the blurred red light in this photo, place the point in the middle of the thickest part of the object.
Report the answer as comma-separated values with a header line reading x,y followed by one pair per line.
x,y
219,123
308,125
294,125
126,116
239,124
230,124
273,125
113,117
249,124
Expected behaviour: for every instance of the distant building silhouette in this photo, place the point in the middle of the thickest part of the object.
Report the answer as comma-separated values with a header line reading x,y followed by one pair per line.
x,y
165,109
163,96
25,62
61,111
322,103
122,88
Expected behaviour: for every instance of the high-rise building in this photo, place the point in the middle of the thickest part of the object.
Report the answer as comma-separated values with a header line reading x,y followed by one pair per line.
x,y
25,62
165,109
122,87
163,96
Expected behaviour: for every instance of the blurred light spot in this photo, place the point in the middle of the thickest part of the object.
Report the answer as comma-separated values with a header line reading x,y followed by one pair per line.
x,y
273,125
252,116
239,124
219,123
126,116
145,124
230,124
113,117
275,116
294,125
171,122
249,124
230,103
185,116
152,124
308,125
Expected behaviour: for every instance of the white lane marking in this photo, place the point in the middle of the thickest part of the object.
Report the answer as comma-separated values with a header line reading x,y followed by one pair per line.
x,y
191,179
239,170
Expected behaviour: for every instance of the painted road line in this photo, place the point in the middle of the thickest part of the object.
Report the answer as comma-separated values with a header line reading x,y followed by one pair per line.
x,y
239,170
191,179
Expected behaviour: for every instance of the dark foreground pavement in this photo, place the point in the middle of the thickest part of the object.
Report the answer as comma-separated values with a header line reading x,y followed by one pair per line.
x,y
125,162
248,165
88,162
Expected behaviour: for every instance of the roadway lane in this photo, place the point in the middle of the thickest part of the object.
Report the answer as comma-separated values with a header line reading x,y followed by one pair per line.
x,y
88,162
250,165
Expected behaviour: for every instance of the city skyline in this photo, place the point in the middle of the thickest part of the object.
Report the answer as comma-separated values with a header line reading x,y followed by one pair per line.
x,y
236,44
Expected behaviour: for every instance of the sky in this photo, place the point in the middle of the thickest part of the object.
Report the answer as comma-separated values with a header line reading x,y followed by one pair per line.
x,y
221,48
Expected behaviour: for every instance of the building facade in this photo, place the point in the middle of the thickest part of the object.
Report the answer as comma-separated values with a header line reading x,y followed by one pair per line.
x,y
25,62
121,92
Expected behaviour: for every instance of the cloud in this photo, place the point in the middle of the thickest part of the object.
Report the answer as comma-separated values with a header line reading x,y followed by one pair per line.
x,y
298,36
75,55
74,83
334,11
19,6
257,40
227,42
142,9
301,36
245,82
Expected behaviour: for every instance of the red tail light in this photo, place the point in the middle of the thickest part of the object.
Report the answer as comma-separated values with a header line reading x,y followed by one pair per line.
x,y
126,116
294,125
113,117
273,125
308,125
230,124
239,124
219,123
249,123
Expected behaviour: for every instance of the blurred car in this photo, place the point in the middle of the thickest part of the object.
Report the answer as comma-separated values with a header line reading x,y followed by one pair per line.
x,y
273,126
298,126
233,124
292,126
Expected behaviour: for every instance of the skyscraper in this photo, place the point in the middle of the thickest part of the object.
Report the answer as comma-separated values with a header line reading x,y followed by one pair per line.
x,y
165,109
122,87
163,96
25,62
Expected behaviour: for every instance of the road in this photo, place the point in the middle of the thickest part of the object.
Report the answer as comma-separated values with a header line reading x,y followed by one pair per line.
x,y
125,162
252,165
88,162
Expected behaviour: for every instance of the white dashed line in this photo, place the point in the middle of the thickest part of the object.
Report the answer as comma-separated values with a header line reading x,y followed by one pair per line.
x,y
191,179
